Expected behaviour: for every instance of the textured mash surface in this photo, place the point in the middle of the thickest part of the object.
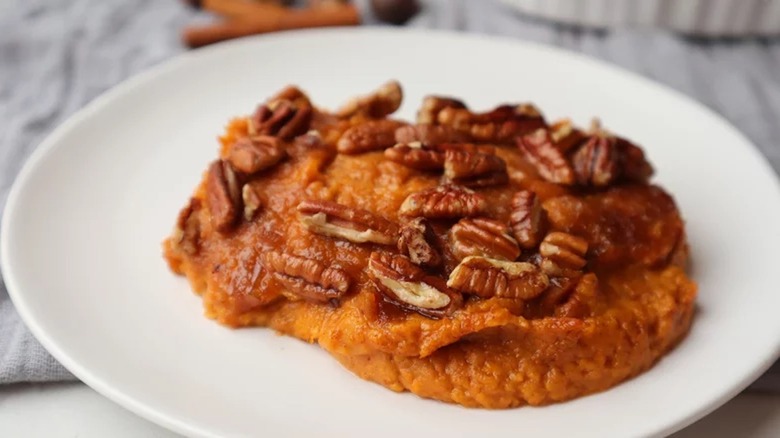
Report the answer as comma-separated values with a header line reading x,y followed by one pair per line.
x,y
493,352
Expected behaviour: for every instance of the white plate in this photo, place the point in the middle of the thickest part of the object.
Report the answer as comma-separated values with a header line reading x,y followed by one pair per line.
x,y
83,224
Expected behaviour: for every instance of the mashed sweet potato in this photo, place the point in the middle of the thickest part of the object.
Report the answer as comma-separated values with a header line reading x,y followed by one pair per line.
x,y
486,259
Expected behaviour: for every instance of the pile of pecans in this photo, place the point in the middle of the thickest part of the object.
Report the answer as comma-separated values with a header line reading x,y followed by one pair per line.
x,y
518,259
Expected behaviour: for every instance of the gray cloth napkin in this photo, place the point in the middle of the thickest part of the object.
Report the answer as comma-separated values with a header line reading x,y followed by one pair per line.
x,y
57,56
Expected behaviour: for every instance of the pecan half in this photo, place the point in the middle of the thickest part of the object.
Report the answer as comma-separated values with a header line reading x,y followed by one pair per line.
x,y
550,162
252,202
381,103
309,144
352,224
634,167
223,195
429,157
430,134
416,155
581,302
432,106
186,234
307,278
563,255
596,162
570,297
606,158
559,290
500,125
252,155
487,278
285,115
565,136
443,202
408,286
292,94
474,169
414,242
483,237
527,219
369,136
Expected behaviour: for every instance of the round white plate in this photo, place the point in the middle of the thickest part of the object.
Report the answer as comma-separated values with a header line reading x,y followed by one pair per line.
x,y
83,224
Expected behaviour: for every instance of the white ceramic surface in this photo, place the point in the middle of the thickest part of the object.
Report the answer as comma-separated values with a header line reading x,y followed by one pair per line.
x,y
75,410
83,224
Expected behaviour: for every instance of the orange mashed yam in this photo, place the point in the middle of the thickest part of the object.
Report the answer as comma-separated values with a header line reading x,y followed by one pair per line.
x,y
586,332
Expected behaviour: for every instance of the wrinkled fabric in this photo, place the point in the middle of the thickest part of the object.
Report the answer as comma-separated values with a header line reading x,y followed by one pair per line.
x,y
57,56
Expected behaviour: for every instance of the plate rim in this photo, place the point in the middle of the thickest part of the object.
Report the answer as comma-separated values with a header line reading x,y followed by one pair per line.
x,y
51,142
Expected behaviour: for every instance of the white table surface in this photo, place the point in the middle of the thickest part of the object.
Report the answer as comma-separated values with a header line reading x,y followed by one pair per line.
x,y
75,410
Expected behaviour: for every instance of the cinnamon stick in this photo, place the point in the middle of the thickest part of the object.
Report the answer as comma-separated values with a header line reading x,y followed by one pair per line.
x,y
240,9
346,15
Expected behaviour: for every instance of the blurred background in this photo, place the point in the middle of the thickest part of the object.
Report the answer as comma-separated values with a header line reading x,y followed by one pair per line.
x,y
56,56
